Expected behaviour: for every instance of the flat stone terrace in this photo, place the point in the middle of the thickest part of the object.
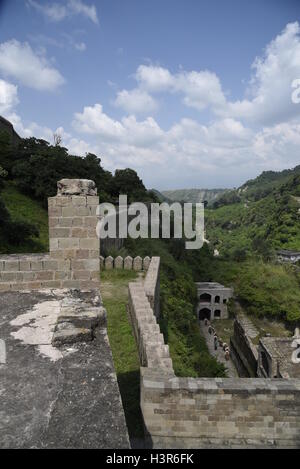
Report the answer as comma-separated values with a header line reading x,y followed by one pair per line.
x,y
55,397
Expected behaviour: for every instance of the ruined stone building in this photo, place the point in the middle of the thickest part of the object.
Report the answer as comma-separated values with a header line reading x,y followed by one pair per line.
x,y
279,357
212,300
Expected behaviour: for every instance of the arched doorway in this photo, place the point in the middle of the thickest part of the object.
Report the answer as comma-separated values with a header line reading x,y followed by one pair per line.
x,y
205,298
217,299
204,313
217,313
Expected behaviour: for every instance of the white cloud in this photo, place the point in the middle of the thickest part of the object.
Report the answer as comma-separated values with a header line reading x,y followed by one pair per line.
x,y
30,130
94,121
80,8
188,152
200,89
135,101
60,11
154,78
81,46
269,93
267,98
260,131
18,60
8,96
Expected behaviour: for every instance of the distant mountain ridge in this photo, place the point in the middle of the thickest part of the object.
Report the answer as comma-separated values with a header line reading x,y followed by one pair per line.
x,y
193,195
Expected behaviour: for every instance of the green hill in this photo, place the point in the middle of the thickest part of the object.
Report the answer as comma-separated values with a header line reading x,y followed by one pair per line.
x,y
22,208
264,215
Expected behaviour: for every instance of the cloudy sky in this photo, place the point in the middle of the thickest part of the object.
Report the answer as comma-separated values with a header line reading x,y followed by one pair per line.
x,y
190,93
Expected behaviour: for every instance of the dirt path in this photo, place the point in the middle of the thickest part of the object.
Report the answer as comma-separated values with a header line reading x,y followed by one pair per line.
x,y
219,353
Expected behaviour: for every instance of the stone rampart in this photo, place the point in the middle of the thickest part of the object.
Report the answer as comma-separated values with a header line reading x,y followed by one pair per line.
x,y
152,285
73,261
220,413
128,263
150,342
205,412
243,352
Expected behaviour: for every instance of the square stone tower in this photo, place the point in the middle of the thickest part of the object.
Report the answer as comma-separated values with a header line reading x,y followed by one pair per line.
x,y
73,240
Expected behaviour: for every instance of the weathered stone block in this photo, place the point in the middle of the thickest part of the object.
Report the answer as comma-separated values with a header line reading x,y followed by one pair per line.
x,y
79,232
55,212
11,265
68,243
78,201
36,265
78,221
62,201
59,233
137,263
128,261
25,265
76,187
44,275
109,263
81,275
92,244
8,276
90,222
53,244
146,262
66,333
65,222
119,262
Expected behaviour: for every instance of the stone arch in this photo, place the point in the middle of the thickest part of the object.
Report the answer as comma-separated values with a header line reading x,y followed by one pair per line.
x,y
204,313
205,298
217,299
217,313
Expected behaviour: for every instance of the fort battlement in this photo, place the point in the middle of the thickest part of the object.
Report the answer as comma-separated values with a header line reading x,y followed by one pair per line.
x,y
73,260
206,412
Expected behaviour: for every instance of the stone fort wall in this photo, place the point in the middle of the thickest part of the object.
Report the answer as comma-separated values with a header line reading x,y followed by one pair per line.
x,y
243,351
73,260
205,412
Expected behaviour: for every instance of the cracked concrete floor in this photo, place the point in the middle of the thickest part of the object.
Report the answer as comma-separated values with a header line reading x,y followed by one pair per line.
x,y
50,398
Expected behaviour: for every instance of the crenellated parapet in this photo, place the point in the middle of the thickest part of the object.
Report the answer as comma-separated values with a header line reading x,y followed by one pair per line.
x,y
73,260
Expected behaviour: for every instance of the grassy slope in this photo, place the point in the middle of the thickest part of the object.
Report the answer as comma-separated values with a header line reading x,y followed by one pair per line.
x,y
115,297
22,207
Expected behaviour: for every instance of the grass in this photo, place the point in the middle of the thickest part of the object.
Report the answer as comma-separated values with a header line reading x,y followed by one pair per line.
x,y
23,208
114,293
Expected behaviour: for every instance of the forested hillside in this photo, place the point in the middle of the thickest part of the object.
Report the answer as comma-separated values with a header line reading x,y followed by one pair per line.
x,y
262,216
246,227
193,195
29,171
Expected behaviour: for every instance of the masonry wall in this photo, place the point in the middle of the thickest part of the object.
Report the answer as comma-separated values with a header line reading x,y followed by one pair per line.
x,y
73,260
196,413
205,412
243,352
153,352
73,239
152,285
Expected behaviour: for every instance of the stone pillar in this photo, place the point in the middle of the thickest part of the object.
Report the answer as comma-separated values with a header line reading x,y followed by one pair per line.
x,y
72,234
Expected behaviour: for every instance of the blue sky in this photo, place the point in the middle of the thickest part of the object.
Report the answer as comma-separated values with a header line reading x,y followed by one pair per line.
x,y
190,93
